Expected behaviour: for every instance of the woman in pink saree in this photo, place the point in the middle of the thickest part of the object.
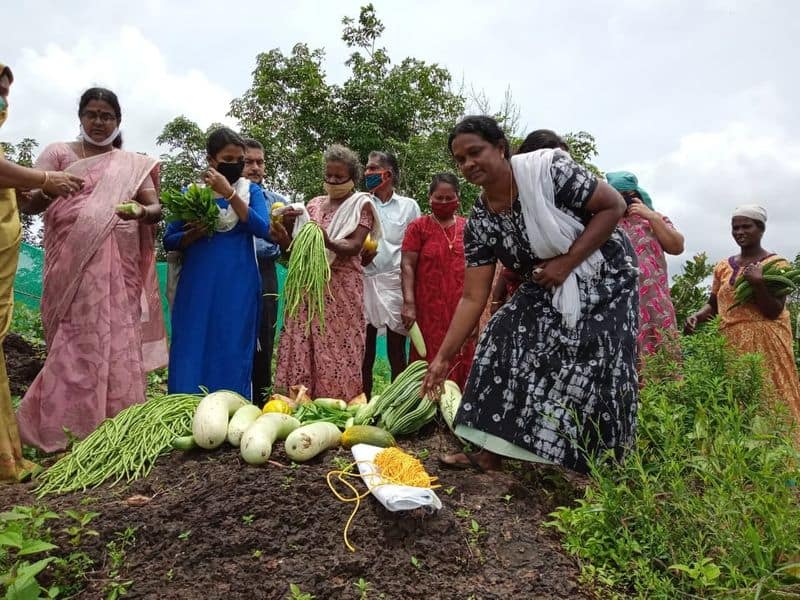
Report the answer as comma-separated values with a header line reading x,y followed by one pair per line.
x,y
101,308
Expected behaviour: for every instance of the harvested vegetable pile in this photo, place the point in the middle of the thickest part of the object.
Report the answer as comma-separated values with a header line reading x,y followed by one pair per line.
x,y
400,409
308,275
123,448
197,205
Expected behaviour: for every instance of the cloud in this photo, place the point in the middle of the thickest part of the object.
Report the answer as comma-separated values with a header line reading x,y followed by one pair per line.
x,y
700,182
49,81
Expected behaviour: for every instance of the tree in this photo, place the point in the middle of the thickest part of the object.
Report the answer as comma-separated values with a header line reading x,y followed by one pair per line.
x,y
690,289
187,151
406,108
23,154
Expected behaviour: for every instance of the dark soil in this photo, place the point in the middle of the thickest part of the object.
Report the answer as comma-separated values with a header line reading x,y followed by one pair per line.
x,y
213,527
23,362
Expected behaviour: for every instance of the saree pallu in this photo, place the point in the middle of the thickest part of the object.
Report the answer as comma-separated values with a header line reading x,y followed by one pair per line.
x,y
101,309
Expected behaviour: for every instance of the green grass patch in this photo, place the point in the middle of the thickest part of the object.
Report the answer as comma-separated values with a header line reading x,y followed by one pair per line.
x,y
707,503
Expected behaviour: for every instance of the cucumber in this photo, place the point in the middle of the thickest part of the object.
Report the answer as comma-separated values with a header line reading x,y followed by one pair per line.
x,y
367,434
416,338
185,442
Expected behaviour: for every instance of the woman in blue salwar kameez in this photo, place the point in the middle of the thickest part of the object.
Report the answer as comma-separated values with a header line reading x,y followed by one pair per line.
x,y
216,307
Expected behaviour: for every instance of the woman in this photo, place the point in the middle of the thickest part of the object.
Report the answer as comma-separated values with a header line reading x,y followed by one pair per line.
x,y
328,362
652,235
101,308
554,375
433,273
762,325
218,296
12,466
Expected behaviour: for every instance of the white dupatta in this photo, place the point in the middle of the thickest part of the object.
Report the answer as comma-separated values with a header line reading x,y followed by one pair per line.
x,y
551,231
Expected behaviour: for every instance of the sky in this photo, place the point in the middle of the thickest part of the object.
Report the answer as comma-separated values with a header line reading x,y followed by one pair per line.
x,y
699,98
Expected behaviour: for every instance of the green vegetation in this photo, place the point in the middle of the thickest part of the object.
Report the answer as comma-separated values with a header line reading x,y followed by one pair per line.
x,y
707,503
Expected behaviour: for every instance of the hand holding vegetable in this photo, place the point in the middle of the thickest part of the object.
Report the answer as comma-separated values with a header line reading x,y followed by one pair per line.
x,y
217,182
408,314
753,273
193,232
129,211
435,378
278,234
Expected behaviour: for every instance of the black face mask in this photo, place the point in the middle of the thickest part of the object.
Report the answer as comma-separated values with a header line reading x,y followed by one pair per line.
x,y
231,171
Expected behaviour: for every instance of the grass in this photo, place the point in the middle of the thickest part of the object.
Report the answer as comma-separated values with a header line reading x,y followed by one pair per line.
x,y
706,505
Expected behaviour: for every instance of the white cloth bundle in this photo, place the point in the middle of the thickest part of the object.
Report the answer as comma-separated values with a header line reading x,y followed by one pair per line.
x,y
393,497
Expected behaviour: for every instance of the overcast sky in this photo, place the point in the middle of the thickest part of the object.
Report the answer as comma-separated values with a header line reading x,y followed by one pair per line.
x,y
700,98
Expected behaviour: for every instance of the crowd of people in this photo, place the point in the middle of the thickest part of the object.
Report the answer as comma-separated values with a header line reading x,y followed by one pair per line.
x,y
540,305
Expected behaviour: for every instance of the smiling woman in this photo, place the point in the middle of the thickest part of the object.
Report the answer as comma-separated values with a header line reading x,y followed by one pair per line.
x,y
101,308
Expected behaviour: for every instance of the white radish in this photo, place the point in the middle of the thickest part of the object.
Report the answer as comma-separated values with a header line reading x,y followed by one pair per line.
x,y
240,421
305,442
256,443
210,422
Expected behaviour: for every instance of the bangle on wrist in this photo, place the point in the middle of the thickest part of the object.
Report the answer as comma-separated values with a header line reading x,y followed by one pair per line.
x,y
46,178
229,198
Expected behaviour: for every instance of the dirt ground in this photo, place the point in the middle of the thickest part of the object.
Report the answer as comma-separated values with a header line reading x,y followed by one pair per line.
x,y
214,527
23,362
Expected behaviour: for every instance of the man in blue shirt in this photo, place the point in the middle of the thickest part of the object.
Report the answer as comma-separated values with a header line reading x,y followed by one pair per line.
x,y
266,253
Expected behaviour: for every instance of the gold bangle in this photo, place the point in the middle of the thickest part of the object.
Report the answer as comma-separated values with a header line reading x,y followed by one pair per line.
x,y
46,178
229,198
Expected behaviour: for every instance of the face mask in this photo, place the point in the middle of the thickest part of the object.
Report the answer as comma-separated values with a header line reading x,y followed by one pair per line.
x,y
338,190
444,210
232,171
106,142
373,180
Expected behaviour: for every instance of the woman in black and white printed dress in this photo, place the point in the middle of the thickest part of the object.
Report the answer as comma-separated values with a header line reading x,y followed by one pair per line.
x,y
540,388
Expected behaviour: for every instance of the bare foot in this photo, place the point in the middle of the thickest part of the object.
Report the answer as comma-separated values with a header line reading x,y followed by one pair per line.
x,y
480,461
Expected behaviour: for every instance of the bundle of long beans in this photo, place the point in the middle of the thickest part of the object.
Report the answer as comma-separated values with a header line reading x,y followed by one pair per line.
x,y
781,281
308,274
196,205
125,447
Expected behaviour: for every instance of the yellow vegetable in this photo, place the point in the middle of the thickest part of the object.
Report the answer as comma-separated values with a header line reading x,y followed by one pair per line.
x,y
370,245
277,216
277,406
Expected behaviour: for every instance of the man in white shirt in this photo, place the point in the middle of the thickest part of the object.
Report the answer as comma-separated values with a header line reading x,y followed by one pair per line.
x,y
383,293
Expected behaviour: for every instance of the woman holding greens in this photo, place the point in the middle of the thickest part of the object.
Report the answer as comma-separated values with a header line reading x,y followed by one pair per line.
x,y
217,300
327,360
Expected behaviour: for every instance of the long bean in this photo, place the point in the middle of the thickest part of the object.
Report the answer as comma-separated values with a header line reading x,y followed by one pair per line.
x,y
123,448
308,275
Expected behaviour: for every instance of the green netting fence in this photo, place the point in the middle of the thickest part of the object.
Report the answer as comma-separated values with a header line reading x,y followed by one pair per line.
x,y
28,286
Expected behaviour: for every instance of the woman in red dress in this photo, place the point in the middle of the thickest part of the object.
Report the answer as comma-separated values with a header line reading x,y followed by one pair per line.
x,y
433,273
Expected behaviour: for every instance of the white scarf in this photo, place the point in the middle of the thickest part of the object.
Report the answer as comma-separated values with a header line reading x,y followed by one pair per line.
x,y
227,216
551,231
345,221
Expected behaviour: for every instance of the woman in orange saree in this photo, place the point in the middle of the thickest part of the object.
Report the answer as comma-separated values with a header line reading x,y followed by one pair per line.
x,y
762,324
101,308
